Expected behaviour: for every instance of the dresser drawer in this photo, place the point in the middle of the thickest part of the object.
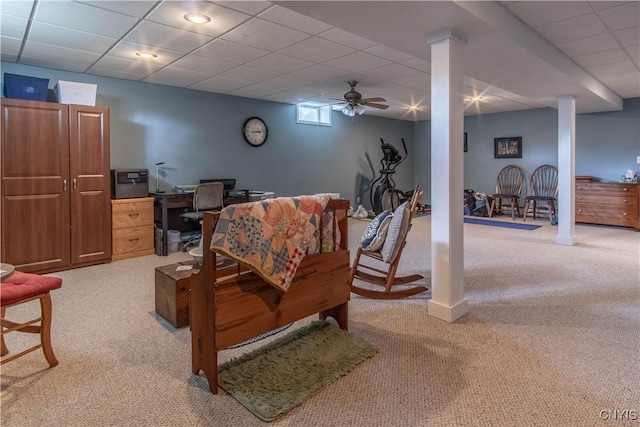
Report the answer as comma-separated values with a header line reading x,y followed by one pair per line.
x,y
132,213
619,201
131,242
609,188
599,211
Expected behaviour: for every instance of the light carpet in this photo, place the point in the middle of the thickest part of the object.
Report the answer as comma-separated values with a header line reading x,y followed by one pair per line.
x,y
272,380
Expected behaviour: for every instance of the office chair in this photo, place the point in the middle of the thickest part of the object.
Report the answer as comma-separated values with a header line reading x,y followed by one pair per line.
x,y
206,197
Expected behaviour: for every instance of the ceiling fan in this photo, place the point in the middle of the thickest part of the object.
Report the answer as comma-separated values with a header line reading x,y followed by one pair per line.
x,y
355,103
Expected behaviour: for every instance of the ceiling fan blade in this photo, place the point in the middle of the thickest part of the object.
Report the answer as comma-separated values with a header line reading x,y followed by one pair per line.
x,y
376,99
374,105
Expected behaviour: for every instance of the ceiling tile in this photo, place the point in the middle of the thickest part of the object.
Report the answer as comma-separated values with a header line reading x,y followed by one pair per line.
x,y
230,51
249,7
357,62
73,39
594,44
628,37
137,8
391,72
265,35
612,68
295,20
52,63
59,54
602,5
292,96
10,46
416,81
320,73
316,50
172,13
280,63
621,17
128,50
21,9
150,33
257,90
201,64
139,68
248,75
116,74
175,77
345,38
418,64
82,17
573,29
219,84
13,26
285,82
536,13
600,58
388,53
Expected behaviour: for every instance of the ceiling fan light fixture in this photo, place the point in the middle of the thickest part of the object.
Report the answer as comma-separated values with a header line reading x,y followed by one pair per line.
x,y
197,18
359,109
348,110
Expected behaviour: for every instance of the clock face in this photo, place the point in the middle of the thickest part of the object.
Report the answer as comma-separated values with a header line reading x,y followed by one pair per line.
x,y
255,131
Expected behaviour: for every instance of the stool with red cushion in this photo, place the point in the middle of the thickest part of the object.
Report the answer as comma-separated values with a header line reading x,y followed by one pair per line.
x,y
24,287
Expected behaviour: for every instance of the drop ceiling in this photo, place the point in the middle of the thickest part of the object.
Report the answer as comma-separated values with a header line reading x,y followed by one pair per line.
x,y
519,54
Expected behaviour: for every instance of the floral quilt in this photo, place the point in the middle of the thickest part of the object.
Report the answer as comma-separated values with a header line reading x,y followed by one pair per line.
x,y
271,236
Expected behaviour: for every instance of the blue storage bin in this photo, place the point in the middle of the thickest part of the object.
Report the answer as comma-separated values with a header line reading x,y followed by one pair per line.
x,y
25,87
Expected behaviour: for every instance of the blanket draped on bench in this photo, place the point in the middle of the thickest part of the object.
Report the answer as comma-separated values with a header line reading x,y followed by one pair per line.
x,y
271,236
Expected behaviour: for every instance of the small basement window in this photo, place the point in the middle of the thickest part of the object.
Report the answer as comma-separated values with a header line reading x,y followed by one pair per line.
x,y
313,113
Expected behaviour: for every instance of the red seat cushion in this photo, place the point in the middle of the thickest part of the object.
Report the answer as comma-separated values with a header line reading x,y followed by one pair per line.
x,y
26,285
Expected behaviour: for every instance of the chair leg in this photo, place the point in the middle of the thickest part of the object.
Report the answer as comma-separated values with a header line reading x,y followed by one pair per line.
x,y
526,211
492,207
552,210
4,350
45,330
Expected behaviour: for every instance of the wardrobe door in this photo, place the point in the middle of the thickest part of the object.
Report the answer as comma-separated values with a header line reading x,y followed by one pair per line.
x,y
90,184
35,185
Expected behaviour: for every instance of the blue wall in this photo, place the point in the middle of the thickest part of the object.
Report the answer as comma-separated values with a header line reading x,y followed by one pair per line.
x,y
607,144
198,135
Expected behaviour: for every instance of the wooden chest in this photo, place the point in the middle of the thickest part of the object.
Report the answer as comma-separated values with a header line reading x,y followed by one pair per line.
x,y
608,203
173,286
132,228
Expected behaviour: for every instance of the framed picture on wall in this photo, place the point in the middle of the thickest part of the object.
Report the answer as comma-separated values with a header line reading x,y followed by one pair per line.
x,y
507,148
465,142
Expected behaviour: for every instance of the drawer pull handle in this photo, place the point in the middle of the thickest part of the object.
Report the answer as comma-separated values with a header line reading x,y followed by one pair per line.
x,y
625,201
580,210
625,189
134,240
135,215
624,214
579,187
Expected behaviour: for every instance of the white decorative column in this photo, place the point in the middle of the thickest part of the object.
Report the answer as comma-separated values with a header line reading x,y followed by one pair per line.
x,y
447,177
566,170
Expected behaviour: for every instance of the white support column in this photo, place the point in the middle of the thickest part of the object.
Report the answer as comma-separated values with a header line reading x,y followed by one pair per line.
x,y
566,170
447,177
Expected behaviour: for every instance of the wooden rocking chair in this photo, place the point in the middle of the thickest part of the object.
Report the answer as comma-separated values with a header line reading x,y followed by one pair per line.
x,y
402,219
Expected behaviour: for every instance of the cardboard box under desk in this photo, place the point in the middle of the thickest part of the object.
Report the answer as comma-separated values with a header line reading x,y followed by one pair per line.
x,y
173,287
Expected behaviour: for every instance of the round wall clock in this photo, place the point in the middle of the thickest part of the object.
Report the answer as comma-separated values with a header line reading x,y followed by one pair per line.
x,y
255,131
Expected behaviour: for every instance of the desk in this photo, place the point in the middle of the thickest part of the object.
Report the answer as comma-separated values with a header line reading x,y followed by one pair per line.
x,y
164,203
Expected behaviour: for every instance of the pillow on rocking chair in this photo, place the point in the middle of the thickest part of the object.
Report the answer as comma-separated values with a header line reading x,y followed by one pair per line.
x,y
373,237
396,233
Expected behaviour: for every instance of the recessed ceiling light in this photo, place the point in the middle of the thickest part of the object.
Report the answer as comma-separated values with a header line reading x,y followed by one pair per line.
x,y
146,55
197,18
475,98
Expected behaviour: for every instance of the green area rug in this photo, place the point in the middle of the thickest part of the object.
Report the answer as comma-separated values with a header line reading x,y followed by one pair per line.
x,y
272,380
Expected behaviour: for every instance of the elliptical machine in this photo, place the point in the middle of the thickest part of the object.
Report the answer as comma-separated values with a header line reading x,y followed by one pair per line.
x,y
383,195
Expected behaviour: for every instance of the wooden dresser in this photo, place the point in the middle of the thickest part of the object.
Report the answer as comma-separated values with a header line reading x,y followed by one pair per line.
x,y
132,232
608,203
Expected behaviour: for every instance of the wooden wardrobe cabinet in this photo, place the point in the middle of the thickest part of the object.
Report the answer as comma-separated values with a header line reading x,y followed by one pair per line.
x,y
56,207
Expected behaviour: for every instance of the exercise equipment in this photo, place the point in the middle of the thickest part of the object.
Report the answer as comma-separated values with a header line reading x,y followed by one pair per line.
x,y
383,194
